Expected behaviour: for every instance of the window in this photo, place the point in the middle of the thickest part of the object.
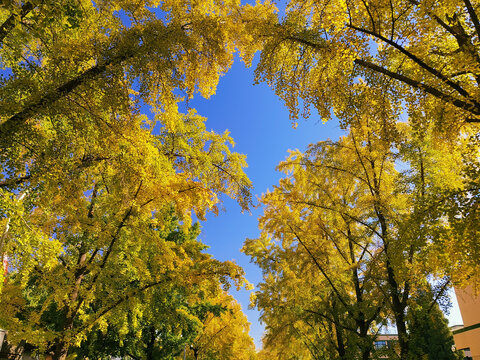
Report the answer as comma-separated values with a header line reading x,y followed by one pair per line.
x,y
380,344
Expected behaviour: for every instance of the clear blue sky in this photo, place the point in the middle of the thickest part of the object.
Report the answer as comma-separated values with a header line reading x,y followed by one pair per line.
x,y
260,125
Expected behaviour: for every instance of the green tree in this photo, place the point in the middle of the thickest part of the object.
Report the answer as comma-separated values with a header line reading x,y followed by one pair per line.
x,y
161,322
430,337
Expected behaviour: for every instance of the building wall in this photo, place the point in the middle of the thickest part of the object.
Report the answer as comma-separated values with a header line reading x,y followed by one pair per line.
x,y
469,340
469,304
468,337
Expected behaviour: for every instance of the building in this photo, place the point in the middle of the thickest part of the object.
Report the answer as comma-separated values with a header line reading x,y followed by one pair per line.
x,y
386,345
467,337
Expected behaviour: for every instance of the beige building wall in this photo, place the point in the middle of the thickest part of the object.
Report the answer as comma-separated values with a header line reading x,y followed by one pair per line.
x,y
468,337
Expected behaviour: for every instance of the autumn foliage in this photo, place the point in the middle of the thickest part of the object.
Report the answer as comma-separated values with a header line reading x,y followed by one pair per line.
x,y
100,170
102,174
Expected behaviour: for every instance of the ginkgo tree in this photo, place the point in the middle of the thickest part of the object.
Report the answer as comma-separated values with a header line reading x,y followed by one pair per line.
x,y
349,236
87,180
321,274
428,50
224,335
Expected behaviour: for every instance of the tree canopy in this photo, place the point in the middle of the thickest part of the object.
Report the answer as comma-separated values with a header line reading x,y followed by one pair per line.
x,y
427,50
351,234
96,157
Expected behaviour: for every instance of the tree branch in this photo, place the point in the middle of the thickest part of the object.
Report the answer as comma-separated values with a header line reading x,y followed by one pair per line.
x,y
440,293
418,61
329,319
11,22
121,300
332,285
10,126
473,16
13,182
472,108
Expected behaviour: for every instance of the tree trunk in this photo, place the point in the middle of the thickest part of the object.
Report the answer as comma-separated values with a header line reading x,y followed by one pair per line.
x,y
398,312
60,351
62,346
398,306
339,334
151,343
